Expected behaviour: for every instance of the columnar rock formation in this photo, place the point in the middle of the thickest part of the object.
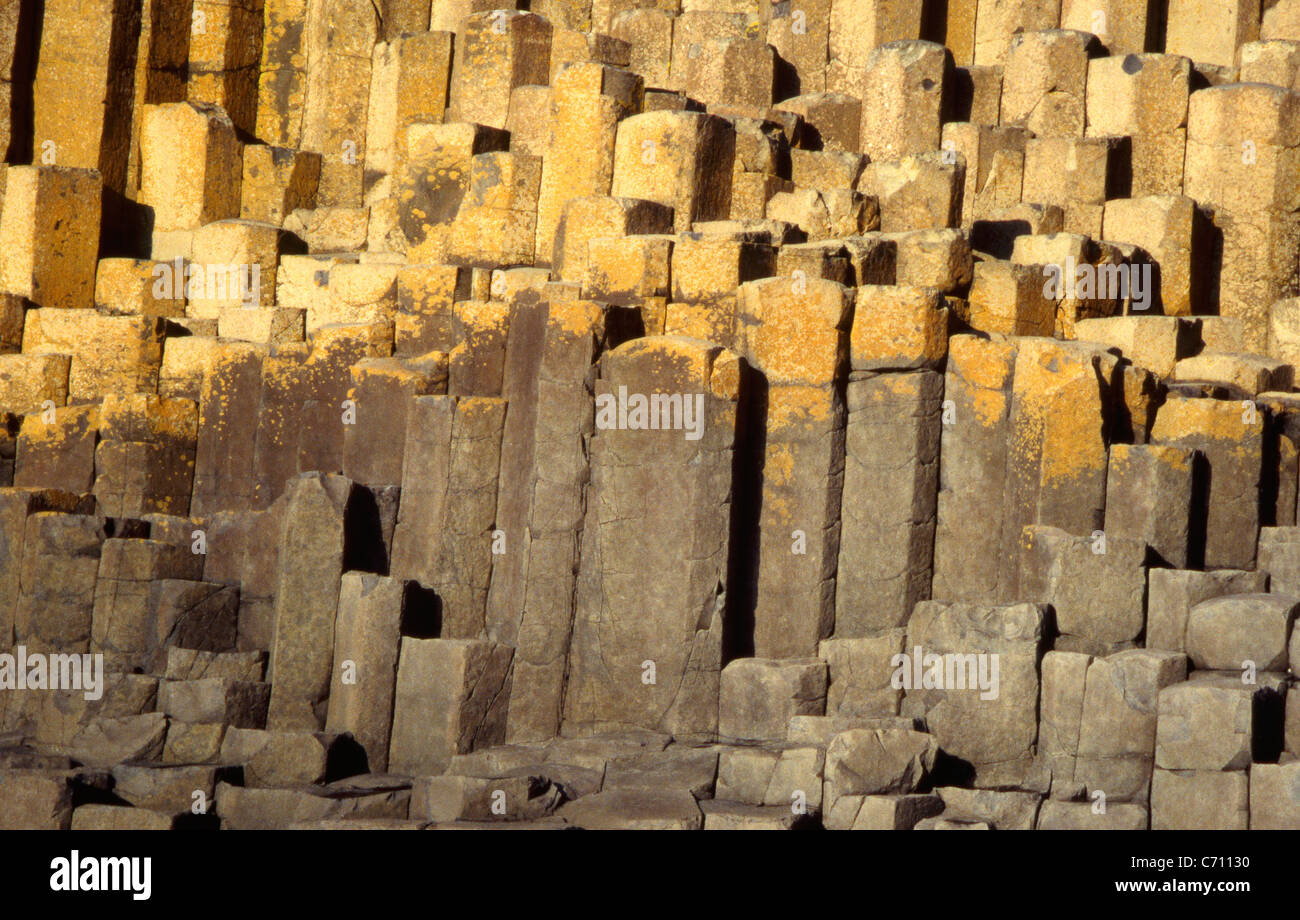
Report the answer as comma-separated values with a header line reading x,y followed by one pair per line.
x,y
872,414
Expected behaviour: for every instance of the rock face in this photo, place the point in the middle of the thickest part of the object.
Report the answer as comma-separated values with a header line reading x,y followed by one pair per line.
x,y
715,414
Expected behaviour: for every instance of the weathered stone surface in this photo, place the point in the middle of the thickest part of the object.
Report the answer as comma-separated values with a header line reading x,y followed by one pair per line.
x,y
974,548
1274,796
667,157
306,601
1172,594
988,658
887,512
1095,584
758,696
273,758
517,797
1149,498
240,703
1117,734
859,672
1070,816
449,699
863,762
35,800
1226,632
118,818
243,808
732,816
1000,810
635,809
660,672
367,634
1202,726
443,537
787,776
1199,800
1060,719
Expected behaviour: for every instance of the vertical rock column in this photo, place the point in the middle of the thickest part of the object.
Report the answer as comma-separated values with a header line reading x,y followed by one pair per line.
x,y
367,634
540,509
443,537
647,638
891,467
339,39
83,92
587,103
796,332
1242,165
306,602
974,545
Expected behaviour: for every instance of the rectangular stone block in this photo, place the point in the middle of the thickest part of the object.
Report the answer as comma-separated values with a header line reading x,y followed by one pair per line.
x,y
191,166
1238,631
1060,708
49,234
588,100
1204,725
449,699
306,601
1117,734
545,466
1009,298
860,672
1043,82
986,710
898,328
1149,498
368,634
58,453
1200,800
276,182
682,547
975,545
1274,803
444,532
887,515
1171,595
1230,436
109,354
56,596
1211,33
679,159
1098,596
758,696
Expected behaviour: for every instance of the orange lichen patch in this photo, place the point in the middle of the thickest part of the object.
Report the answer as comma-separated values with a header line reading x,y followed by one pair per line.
x,y
145,417
798,406
724,382
70,423
576,317
795,332
1053,383
671,358
987,366
713,322
1214,419
898,327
